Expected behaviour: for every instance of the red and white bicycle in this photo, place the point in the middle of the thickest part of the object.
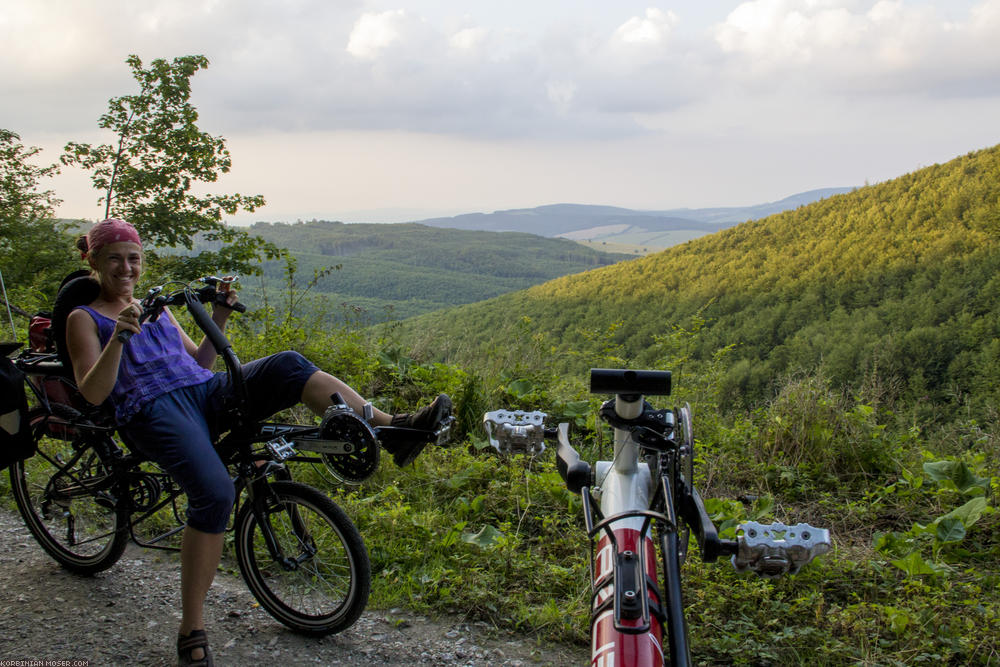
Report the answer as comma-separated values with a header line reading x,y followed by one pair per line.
x,y
649,482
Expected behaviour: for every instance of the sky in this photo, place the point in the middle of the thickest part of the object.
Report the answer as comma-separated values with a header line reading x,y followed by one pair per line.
x,y
387,111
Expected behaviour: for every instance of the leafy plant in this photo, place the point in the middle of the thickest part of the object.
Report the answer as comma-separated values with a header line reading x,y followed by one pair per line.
x,y
35,250
943,534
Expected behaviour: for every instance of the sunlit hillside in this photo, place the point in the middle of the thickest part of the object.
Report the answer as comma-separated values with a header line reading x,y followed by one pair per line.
x,y
898,277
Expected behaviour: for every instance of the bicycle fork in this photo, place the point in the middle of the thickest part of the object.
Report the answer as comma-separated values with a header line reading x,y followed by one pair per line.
x,y
265,504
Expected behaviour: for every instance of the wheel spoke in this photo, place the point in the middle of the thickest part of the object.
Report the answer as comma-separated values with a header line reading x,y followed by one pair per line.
x,y
329,587
62,493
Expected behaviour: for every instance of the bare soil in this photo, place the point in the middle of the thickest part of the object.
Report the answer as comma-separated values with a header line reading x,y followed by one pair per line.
x,y
129,614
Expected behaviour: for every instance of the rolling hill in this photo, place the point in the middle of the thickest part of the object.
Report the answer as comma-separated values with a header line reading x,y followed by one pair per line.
x,y
395,271
899,281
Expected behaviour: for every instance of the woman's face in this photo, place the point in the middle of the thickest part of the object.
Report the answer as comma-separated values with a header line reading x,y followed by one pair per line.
x,y
119,266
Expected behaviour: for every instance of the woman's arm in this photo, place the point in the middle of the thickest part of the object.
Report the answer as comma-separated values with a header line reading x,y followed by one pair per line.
x,y
205,353
96,369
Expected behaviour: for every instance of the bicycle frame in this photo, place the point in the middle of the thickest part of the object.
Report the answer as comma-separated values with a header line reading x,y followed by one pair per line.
x,y
630,629
648,481
86,496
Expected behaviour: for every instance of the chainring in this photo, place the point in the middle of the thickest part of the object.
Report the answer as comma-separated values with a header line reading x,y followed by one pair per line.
x,y
361,461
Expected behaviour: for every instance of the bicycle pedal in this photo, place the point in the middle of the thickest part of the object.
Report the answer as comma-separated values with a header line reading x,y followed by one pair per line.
x,y
774,550
442,434
516,431
280,449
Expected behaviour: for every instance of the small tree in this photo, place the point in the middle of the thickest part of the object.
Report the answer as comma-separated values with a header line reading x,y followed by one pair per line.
x,y
35,251
147,175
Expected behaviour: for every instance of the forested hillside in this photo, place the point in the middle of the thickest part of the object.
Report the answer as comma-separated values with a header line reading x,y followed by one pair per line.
x,y
400,270
896,281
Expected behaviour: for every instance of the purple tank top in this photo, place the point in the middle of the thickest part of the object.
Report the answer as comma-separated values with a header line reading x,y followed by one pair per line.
x,y
153,363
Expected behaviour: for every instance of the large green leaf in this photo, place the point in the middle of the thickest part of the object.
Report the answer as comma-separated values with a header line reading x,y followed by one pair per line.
x,y
485,538
969,513
914,565
520,388
958,474
950,530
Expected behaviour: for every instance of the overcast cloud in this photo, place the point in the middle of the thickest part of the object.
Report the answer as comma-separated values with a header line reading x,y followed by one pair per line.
x,y
336,107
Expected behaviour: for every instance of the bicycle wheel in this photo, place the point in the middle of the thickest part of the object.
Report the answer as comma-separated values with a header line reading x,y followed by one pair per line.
x,y
65,494
321,586
684,470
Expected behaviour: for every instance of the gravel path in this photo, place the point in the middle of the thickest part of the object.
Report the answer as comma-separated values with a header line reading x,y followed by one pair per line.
x,y
128,615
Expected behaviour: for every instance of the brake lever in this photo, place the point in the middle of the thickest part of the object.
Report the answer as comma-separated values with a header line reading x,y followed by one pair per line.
x,y
215,281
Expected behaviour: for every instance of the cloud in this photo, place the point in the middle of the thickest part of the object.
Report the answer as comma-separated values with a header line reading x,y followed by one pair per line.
x,y
468,39
374,32
653,28
886,46
305,65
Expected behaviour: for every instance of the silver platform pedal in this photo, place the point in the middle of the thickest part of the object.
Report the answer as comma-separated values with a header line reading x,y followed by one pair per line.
x,y
280,449
516,431
774,550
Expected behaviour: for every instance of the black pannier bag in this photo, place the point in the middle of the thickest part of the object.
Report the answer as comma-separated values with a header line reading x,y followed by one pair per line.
x,y
16,442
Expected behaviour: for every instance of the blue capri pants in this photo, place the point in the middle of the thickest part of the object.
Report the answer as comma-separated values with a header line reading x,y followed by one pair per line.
x,y
177,431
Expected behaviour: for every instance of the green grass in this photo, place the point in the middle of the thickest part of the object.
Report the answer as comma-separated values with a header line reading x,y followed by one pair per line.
x,y
912,577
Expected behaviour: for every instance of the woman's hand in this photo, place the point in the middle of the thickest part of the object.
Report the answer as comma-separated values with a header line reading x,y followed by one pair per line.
x,y
221,312
128,320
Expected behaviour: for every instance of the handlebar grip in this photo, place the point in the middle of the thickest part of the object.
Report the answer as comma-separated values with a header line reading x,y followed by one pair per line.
x,y
575,471
627,381
124,336
220,298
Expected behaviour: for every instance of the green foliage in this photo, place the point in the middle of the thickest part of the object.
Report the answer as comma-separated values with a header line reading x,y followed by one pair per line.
x,y
147,175
20,199
891,291
953,481
35,249
451,531
394,271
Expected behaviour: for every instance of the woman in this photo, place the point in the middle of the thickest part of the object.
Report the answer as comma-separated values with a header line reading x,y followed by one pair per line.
x,y
167,404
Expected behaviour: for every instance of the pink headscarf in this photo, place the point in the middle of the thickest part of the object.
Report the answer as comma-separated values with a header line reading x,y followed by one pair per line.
x,y
111,230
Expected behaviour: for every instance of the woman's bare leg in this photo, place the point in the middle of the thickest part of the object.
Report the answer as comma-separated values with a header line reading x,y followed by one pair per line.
x,y
321,385
200,556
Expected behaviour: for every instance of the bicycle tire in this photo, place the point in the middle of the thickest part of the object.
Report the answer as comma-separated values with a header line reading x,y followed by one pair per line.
x,y
684,470
63,495
328,590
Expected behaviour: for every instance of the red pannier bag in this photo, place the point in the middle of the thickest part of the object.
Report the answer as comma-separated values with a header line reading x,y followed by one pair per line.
x,y
41,339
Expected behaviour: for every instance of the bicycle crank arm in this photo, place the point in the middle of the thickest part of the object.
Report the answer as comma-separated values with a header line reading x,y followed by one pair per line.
x,y
773,550
325,446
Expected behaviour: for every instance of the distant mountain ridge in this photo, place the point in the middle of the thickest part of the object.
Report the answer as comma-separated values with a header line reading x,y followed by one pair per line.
x,y
612,223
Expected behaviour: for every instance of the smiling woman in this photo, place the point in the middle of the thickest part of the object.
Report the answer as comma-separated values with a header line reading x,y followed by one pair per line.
x,y
169,405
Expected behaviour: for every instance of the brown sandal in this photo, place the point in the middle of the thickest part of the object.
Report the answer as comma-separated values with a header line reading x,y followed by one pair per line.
x,y
188,644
